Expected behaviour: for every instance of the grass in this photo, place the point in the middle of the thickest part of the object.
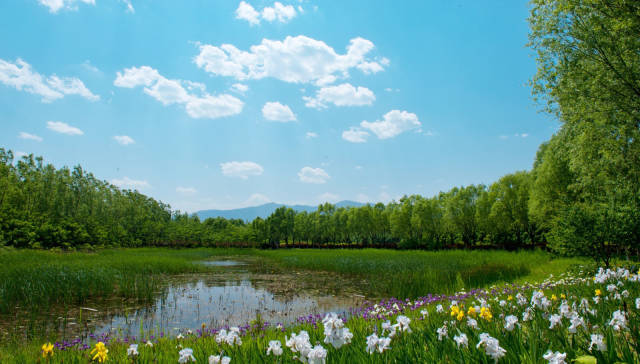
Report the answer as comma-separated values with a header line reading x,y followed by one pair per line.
x,y
36,280
410,274
526,343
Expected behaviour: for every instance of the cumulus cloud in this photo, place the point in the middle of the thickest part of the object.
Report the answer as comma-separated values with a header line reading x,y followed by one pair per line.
x,y
27,136
21,76
186,190
297,59
124,139
340,95
239,88
192,95
129,183
392,124
313,175
279,12
311,135
355,135
55,5
247,12
241,169
276,111
63,128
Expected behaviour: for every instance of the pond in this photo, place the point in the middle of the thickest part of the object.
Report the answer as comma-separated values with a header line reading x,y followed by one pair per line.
x,y
234,294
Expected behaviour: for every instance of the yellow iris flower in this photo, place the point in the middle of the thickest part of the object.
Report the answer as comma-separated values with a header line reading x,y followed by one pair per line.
x,y
454,311
598,292
100,352
485,313
472,311
47,350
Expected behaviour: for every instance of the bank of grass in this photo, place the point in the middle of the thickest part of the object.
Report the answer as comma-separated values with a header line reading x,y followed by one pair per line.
x,y
410,274
35,280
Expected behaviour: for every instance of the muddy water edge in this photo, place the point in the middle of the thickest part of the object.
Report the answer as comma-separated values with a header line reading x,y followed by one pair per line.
x,y
237,291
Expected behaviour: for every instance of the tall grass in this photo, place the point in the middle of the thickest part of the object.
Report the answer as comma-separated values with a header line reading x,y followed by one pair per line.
x,y
35,280
410,274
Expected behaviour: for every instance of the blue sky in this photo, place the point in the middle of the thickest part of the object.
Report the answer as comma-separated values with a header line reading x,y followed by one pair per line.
x,y
224,104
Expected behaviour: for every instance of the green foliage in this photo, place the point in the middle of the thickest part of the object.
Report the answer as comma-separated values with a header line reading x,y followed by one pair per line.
x,y
586,192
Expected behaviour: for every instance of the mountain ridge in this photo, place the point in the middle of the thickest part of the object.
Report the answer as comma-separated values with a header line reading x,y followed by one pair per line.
x,y
264,210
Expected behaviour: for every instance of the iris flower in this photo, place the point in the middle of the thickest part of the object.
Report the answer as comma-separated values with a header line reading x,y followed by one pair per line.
x,y
219,359
275,348
47,350
100,352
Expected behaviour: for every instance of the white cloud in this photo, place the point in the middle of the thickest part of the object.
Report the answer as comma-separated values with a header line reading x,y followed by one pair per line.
x,y
239,88
90,67
522,135
283,13
355,135
124,139
311,135
394,123
340,95
257,199
328,197
247,12
63,128
25,135
297,59
186,190
275,111
197,103
21,76
279,12
55,5
359,168
241,169
313,175
370,67
129,183
503,137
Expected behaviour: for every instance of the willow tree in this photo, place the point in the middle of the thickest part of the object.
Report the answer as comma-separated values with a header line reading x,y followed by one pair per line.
x,y
588,55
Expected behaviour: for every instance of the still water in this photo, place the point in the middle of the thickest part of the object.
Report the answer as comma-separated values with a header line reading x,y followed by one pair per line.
x,y
234,294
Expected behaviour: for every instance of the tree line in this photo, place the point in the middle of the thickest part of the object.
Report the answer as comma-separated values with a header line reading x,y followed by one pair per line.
x,y
581,197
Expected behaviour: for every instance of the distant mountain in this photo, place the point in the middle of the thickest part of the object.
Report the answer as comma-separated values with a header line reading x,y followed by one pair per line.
x,y
263,211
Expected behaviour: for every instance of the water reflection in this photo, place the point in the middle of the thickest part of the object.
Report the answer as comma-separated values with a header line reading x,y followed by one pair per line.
x,y
233,295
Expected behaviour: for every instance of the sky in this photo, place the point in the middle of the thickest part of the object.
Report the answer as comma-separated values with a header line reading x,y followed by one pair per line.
x,y
211,104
